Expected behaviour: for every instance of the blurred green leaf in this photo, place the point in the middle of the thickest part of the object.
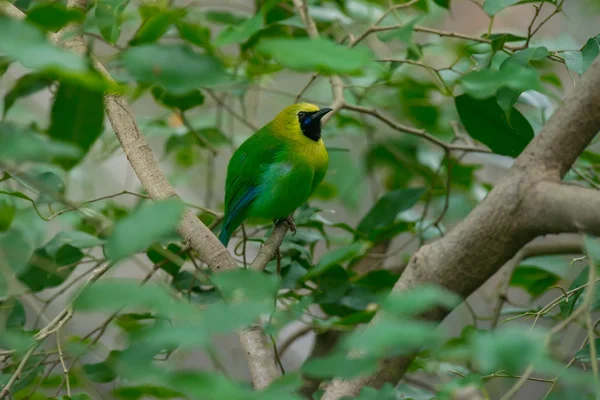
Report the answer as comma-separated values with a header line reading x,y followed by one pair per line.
x,y
77,239
24,86
176,68
417,301
12,314
325,57
246,284
492,7
443,3
336,257
102,372
533,279
18,144
169,258
384,212
195,34
145,391
156,25
485,121
339,366
7,214
77,118
584,355
589,53
510,349
151,223
24,42
182,102
109,18
486,82
53,16
44,271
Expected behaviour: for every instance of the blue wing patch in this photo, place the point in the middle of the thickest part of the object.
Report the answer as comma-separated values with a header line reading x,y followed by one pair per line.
x,y
241,203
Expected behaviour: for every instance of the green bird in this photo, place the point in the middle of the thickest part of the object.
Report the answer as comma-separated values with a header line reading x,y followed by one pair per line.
x,y
276,169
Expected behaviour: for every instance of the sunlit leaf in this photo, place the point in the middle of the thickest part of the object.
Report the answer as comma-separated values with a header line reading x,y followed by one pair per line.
x,y
108,18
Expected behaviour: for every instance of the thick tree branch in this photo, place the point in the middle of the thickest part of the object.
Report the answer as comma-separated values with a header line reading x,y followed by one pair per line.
x,y
260,355
565,208
506,220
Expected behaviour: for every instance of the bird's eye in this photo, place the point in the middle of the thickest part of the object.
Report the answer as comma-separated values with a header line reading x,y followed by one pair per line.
x,y
301,114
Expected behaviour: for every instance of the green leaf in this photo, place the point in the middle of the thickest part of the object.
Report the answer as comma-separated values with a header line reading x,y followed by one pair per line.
x,y
175,67
525,57
50,185
182,102
246,284
573,60
486,121
77,117
53,16
340,366
77,239
589,53
533,279
403,34
151,223
156,25
18,144
145,392
384,212
12,313
25,43
240,33
336,257
486,82
392,337
443,3
194,34
417,301
325,57
104,371
112,295
168,258
26,85
510,349
584,355
44,271
492,7
7,214
108,18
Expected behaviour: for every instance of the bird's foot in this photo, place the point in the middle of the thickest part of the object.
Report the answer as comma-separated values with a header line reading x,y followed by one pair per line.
x,y
291,223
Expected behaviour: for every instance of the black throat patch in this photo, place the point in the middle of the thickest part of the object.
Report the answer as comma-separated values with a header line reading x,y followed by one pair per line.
x,y
311,127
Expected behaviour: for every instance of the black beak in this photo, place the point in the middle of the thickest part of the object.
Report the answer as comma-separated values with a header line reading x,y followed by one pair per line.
x,y
321,113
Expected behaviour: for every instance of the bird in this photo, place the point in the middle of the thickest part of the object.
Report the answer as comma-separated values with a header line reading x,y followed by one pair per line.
x,y
276,169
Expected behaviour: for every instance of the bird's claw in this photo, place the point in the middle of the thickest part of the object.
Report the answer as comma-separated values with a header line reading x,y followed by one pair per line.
x,y
291,224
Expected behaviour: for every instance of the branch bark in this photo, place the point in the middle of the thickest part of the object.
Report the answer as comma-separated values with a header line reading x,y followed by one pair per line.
x,y
258,351
530,201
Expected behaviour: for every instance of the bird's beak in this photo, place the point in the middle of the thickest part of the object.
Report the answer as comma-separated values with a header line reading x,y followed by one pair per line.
x,y
321,113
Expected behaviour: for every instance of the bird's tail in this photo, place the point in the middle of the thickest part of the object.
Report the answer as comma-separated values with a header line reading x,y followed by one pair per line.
x,y
225,235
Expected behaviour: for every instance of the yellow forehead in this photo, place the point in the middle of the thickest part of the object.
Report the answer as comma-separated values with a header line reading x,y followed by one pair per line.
x,y
296,108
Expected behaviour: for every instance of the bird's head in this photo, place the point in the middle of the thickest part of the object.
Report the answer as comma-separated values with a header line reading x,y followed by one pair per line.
x,y
302,120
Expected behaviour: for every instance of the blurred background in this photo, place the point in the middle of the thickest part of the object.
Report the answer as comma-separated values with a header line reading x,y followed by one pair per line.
x,y
368,158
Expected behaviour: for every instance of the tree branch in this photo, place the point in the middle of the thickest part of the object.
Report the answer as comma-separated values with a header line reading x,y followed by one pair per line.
x,y
506,220
261,358
561,207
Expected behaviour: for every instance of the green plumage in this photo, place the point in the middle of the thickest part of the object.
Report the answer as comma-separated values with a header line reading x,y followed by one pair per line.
x,y
274,171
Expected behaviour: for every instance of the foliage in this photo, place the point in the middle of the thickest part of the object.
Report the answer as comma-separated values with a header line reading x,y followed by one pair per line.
x,y
196,72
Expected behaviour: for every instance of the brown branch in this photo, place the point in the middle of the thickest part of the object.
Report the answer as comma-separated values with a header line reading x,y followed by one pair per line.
x,y
260,357
559,207
507,219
